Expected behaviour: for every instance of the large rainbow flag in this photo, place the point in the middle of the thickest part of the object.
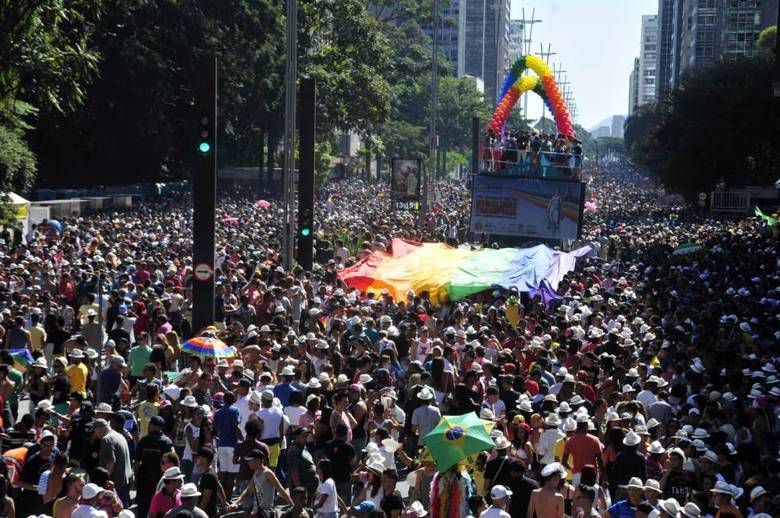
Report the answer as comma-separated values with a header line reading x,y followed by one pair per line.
x,y
455,273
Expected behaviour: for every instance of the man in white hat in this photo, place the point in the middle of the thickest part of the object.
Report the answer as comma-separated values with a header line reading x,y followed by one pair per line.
x,y
634,491
583,449
628,464
547,501
271,426
426,416
189,502
500,496
721,498
169,496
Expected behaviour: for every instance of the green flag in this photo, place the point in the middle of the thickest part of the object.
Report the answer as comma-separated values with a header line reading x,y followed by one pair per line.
x,y
769,219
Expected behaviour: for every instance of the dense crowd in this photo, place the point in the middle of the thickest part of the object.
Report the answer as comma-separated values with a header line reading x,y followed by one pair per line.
x,y
649,389
531,153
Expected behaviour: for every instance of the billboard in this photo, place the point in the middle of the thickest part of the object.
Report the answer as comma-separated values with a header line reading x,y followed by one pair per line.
x,y
406,181
527,207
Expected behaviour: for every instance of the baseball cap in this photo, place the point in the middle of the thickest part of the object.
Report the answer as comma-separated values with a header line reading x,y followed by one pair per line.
x,y
90,491
499,492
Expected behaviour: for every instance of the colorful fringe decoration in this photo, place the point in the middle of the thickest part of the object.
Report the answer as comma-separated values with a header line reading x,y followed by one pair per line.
x,y
449,493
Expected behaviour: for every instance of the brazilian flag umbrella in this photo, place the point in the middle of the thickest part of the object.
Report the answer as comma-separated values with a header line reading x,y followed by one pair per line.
x,y
456,437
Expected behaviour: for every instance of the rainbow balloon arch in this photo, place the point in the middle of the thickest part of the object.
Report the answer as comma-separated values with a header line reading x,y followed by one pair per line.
x,y
544,85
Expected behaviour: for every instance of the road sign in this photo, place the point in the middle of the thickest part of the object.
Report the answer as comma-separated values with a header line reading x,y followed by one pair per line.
x,y
203,272
702,196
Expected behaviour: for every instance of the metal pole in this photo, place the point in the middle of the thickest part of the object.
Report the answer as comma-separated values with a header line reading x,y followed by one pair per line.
x,y
289,131
484,28
434,99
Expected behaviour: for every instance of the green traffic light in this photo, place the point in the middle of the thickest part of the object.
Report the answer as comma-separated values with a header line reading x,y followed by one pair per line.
x,y
204,147
305,232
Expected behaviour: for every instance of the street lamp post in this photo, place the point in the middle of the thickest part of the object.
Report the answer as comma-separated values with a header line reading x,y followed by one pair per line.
x,y
289,132
434,99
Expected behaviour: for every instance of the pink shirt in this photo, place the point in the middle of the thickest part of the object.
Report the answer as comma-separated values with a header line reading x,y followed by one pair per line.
x,y
163,502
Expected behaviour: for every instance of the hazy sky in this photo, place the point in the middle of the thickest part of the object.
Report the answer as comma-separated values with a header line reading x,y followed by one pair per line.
x,y
596,42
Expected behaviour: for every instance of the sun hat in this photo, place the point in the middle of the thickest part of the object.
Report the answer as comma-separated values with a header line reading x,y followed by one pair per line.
x,y
552,468
254,397
391,445
499,492
376,465
173,473
103,407
631,439
425,394
722,488
641,429
189,401
364,379
656,447
552,420
525,406
569,425
502,443
652,485
90,491
757,492
189,490
700,433
486,413
288,371
710,456
314,383
691,510
77,353
417,510
651,423
267,395
635,483
40,362
670,506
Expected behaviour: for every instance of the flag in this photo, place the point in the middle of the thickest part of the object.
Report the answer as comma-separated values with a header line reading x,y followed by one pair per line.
x,y
769,219
22,359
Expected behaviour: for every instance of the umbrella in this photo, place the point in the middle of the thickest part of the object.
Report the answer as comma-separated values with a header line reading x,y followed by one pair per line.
x,y
687,248
456,437
263,204
206,346
590,207
56,225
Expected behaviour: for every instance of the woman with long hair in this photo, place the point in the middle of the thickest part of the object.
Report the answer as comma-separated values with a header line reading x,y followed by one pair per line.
x,y
443,382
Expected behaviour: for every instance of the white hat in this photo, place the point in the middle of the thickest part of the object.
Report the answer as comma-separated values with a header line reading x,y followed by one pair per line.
x,y
652,485
525,406
77,353
564,408
364,379
104,407
486,413
710,456
502,443
417,510
628,388
222,362
631,439
90,491
425,394
238,363
172,391
126,513
635,483
254,397
288,371
322,344
757,492
499,492
391,445
189,490
173,473
651,423
723,488
670,506
552,468
86,511
40,362
656,447
189,401
569,425
691,510
552,420
700,433
376,465
314,383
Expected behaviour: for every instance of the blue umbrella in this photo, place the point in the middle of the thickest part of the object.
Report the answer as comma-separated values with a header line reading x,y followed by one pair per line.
x,y
56,224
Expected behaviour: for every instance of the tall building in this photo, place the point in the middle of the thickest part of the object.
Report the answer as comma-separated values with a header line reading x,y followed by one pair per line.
x,y
633,88
707,31
486,42
617,126
450,29
516,44
648,56
664,59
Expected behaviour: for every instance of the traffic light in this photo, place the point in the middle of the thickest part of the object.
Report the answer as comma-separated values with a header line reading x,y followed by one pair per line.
x,y
205,137
305,223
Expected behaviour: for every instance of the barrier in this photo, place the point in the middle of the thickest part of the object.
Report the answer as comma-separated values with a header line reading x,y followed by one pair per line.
x,y
545,164
737,202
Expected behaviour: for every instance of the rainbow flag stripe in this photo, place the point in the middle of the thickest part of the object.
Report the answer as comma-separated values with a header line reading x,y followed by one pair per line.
x,y
454,273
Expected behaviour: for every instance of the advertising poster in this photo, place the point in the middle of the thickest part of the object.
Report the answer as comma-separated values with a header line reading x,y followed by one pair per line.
x,y
405,183
527,207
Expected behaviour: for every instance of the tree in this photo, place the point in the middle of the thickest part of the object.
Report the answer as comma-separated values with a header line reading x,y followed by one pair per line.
x,y
46,58
720,123
767,39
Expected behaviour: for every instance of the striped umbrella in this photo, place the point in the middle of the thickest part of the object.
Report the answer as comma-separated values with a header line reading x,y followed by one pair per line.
x,y
208,346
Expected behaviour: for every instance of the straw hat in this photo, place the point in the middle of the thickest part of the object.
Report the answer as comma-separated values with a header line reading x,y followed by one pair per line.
x,y
635,483
631,439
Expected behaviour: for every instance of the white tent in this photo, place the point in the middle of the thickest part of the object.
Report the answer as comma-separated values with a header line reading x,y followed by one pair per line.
x,y
22,209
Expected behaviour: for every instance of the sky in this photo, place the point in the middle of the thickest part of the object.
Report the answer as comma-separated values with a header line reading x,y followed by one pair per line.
x,y
596,42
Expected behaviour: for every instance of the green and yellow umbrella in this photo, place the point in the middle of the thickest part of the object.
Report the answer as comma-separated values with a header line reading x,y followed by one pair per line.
x,y
456,437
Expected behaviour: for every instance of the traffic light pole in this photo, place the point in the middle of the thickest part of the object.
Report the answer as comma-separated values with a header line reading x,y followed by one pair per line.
x,y
204,193
306,174
289,132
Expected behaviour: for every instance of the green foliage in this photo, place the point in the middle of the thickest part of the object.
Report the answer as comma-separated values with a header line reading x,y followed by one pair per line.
x,y
17,162
720,123
767,39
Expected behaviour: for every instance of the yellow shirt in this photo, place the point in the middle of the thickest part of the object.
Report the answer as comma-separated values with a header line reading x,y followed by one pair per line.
x,y
559,455
78,375
146,411
37,337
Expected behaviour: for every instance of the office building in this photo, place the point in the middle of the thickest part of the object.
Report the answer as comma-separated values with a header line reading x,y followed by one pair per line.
x,y
664,58
601,132
743,21
633,88
617,125
485,42
516,44
648,55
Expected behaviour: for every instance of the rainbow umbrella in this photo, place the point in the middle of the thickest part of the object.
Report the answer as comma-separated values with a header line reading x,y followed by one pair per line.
x,y
457,437
208,346
22,359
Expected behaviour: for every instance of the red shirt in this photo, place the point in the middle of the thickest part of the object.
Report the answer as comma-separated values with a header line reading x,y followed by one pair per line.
x,y
583,449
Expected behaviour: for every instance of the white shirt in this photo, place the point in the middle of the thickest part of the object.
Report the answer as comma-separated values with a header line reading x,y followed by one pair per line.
x,y
647,398
331,504
294,414
272,418
494,512
242,403
547,445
